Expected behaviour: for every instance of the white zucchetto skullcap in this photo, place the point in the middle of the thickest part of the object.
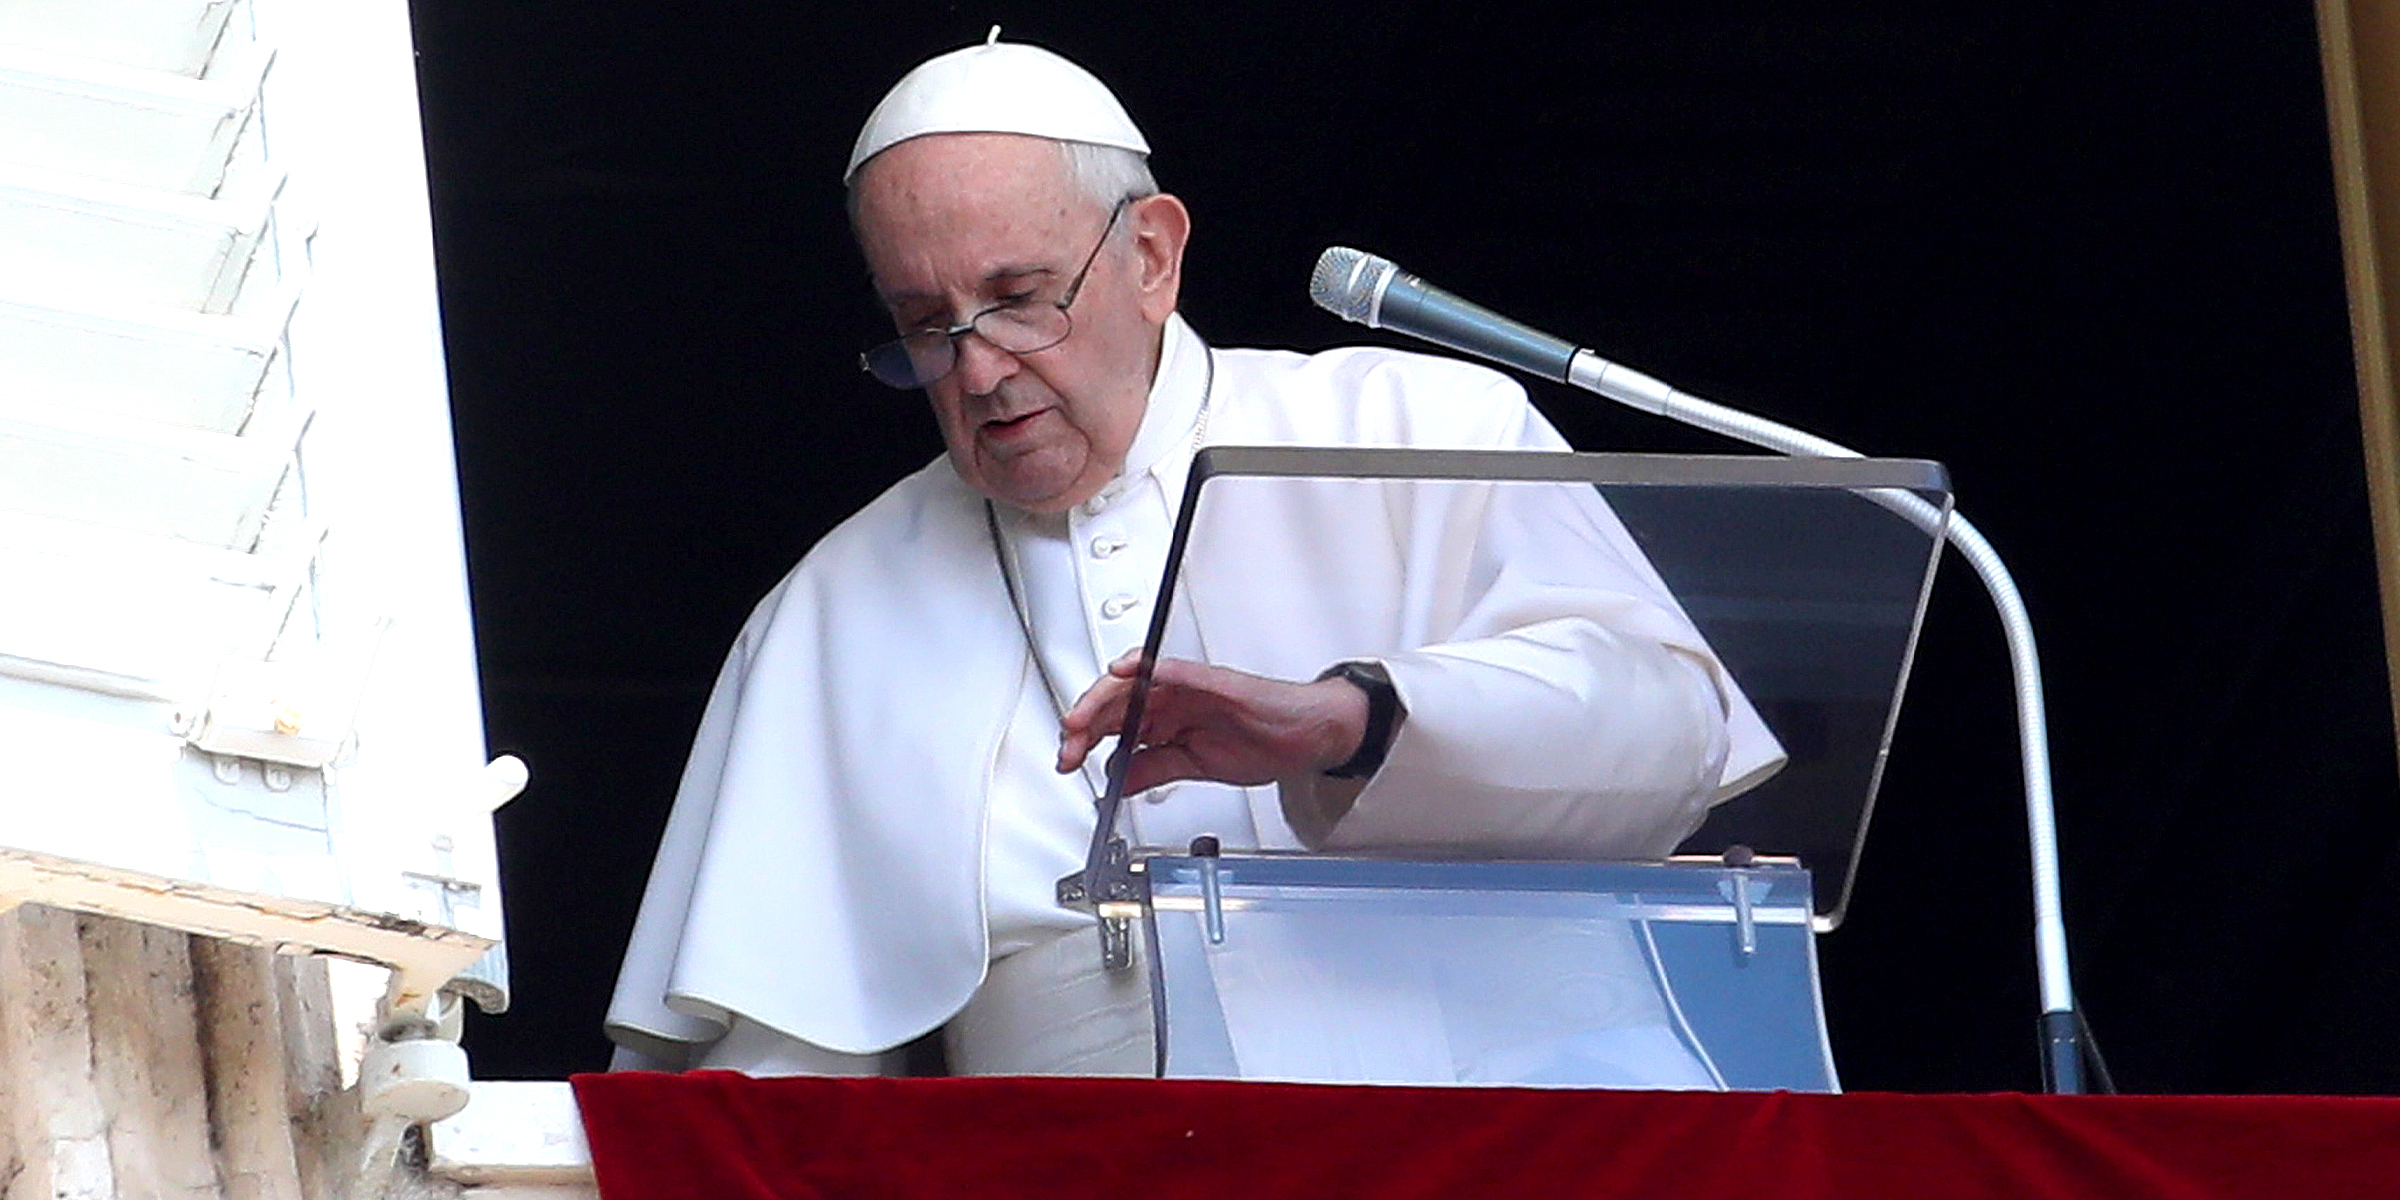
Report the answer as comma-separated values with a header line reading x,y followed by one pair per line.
x,y
997,87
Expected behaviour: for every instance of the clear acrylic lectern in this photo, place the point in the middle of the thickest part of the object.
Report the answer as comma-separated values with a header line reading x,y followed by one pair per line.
x,y
1505,955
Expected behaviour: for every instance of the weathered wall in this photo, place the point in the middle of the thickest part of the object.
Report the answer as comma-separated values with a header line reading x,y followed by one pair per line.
x,y
138,1062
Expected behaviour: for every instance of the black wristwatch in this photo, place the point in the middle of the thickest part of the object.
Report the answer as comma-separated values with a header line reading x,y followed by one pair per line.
x,y
1384,711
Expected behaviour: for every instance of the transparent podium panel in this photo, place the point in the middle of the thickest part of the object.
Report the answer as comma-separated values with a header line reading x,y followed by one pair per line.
x,y
1600,661
1672,976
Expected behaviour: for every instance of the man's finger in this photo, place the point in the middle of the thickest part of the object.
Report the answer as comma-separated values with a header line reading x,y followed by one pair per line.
x,y
1095,715
1075,741
1093,708
1156,765
1074,746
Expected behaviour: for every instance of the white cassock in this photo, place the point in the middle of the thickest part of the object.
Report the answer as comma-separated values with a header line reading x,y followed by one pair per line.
x,y
870,825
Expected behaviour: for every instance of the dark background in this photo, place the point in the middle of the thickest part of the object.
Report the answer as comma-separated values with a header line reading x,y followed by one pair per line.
x,y
2086,255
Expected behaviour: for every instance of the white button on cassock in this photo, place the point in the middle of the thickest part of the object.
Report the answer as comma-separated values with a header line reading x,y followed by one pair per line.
x,y
1107,545
1102,499
1117,606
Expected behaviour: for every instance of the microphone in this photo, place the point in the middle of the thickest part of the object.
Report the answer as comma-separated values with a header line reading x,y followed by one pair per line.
x,y
1373,291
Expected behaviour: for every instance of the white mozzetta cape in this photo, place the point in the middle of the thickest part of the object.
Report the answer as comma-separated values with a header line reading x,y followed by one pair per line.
x,y
822,872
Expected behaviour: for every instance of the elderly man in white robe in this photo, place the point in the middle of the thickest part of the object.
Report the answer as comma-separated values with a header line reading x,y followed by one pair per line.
x,y
898,764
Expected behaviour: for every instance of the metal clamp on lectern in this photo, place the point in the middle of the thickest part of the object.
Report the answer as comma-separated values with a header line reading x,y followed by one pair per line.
x,y
1109,887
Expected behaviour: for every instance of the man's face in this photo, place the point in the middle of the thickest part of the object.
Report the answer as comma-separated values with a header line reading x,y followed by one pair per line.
x,y
954,224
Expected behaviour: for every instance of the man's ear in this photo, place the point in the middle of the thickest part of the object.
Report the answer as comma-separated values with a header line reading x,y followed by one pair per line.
x,y
1161,227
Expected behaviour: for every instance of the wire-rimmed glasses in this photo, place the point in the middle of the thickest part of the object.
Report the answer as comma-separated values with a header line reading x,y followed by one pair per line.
x,y
1019,326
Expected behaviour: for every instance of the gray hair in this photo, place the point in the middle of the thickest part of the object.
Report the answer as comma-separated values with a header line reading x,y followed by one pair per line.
x,y
1107,174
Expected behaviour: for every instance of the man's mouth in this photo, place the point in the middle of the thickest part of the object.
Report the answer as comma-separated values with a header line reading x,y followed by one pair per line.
x,y
1008,424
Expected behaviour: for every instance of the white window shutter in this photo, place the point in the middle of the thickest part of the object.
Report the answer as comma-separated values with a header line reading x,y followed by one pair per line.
x,y
237,678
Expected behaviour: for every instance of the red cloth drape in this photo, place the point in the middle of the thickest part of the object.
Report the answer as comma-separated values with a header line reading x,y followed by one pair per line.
x,y
727,1137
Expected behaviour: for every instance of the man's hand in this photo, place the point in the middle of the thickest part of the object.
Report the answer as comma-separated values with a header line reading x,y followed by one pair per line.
x,y
1204,722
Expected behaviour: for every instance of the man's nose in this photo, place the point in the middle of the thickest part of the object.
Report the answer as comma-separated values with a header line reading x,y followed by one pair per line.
x,y
982,365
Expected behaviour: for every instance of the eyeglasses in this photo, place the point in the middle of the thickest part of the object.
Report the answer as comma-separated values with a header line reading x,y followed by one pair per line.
x,y
1019,326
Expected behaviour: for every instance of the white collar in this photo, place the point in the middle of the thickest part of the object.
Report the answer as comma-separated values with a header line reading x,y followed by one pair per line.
x,y
1176,405
1185,393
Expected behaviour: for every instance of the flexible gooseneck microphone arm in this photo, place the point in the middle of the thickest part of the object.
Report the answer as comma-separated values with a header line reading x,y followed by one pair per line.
x,y
1374,292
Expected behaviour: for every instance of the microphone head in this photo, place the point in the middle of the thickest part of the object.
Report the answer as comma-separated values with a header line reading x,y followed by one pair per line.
x,y
1349,283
